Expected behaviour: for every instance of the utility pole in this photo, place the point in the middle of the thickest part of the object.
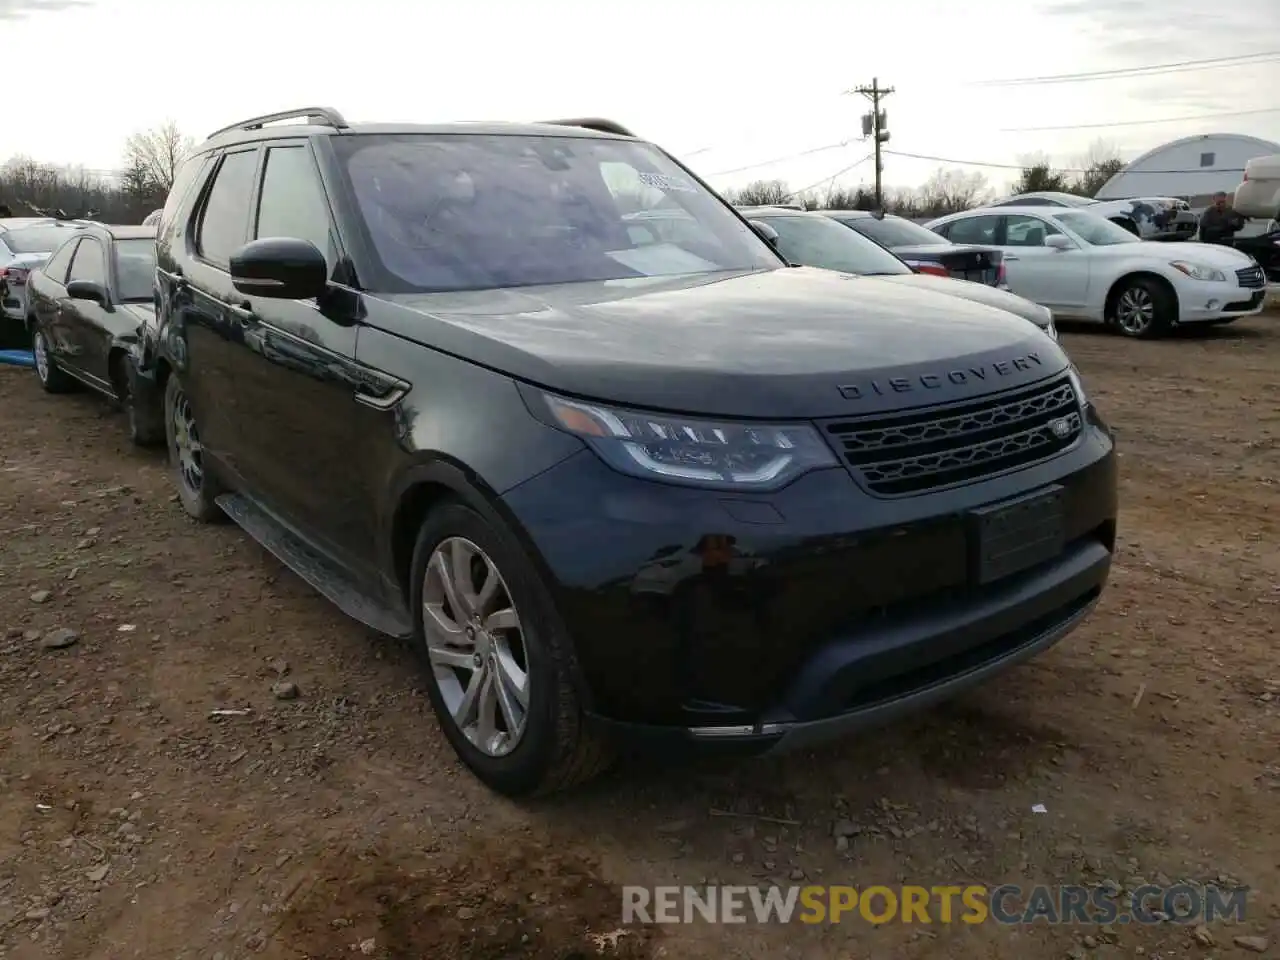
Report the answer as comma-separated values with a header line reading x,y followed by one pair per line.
x,y
874,124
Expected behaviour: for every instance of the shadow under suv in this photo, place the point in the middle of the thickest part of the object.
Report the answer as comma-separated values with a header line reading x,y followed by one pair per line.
x,y
625,479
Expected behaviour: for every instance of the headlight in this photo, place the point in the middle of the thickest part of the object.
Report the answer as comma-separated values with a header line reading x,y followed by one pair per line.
x,y
753,456
1198,271
1045,321
1078,385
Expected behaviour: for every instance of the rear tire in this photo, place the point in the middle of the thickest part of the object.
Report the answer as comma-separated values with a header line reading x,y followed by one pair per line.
x,y
197,490
48,372
1143,308
479,661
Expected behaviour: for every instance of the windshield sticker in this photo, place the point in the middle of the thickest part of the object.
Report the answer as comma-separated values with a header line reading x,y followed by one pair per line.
x,y
664,182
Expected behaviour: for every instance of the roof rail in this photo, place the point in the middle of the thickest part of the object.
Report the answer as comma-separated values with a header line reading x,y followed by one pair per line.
x,y
321,116
598,124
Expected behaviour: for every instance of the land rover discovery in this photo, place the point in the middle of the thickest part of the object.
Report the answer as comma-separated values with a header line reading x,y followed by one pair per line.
x,y
624,480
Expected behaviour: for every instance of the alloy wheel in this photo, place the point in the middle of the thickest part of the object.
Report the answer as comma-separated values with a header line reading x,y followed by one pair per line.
x,y
475,644
1135,310
41,351
187,441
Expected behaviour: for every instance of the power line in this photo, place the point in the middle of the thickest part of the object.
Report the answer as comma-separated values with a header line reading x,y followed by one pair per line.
x,y
769,163
824,180
1152,70
1023,166
1135,123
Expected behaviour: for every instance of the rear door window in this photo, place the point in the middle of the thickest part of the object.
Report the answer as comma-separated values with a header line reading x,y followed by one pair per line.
x,y
224,224
974,230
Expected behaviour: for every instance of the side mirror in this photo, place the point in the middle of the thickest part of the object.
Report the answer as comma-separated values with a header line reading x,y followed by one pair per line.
x,y
89,290
1056,241
283,268
766,232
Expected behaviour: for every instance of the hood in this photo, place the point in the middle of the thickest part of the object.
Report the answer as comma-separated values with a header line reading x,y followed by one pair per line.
x,y
786,343
1210,254
977,293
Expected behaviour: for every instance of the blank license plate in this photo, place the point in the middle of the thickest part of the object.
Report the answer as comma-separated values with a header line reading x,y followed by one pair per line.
x,y
1018,534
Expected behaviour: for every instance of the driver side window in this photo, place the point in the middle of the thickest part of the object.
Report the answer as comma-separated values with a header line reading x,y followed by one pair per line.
x,y
56,268
1027,231
89,264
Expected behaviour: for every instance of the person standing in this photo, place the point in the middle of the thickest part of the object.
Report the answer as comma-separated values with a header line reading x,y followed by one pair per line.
x,y
1219,223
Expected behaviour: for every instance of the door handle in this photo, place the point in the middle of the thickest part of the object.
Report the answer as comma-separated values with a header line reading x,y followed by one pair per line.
x,y
1009,257
365,394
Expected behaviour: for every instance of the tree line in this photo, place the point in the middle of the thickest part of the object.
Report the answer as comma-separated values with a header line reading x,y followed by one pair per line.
x,y
29,187
151,159
946,191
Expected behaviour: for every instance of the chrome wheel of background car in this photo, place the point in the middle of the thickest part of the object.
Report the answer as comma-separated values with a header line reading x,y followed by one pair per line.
x,y
1135,310
475,644
187,441
41,351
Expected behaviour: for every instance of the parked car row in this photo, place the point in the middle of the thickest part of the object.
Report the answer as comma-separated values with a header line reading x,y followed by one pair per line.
x,y
1084,267
536,399
813,240
1149,218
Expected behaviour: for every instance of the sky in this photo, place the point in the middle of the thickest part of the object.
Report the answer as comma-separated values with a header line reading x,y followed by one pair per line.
x,y
724,86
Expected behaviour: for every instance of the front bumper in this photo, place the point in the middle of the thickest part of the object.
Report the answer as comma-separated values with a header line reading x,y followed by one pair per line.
x,y
749,623
1200,301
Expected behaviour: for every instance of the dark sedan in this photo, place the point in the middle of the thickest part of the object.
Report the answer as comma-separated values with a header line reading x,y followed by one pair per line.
x,y
924,250
84,309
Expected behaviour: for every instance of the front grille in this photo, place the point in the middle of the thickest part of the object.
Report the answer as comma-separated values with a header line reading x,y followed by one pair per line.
x,y
1251,277
912,453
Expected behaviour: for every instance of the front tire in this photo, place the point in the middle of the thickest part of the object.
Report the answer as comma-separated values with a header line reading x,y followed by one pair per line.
x,y
146,428
197,490
1144,309
500,664
48,372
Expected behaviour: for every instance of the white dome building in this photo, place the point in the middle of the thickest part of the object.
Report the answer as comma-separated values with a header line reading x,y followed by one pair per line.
x,y
1193,168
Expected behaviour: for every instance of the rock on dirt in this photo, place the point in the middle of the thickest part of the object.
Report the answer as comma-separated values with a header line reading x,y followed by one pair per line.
x,y
1252,944
59,639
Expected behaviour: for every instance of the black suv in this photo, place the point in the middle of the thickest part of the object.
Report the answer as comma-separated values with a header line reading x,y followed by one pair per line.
x,y
536,397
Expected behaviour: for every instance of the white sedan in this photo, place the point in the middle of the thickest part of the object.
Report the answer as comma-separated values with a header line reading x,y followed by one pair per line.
x,y
1083,267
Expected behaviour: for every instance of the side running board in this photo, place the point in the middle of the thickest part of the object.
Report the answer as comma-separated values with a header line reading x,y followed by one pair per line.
x,y
326,577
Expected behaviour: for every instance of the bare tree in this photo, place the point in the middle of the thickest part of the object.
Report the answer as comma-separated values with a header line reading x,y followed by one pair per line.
x,y
950,191
762,193
1100,163
159,152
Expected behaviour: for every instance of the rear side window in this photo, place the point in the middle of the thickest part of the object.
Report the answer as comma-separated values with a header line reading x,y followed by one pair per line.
x,y
293,201
89,263
224,224
974,230
188,176
56,268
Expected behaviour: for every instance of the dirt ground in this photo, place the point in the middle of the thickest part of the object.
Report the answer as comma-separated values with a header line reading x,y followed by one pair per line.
x,y
137,822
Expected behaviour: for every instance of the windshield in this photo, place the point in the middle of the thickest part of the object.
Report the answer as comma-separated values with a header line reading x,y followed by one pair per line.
x,y
474,212
1094,230
37,239
894,232
135,269
818,241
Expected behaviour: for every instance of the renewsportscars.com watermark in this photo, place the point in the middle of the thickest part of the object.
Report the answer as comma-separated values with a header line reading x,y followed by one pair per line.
x,y
972,904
